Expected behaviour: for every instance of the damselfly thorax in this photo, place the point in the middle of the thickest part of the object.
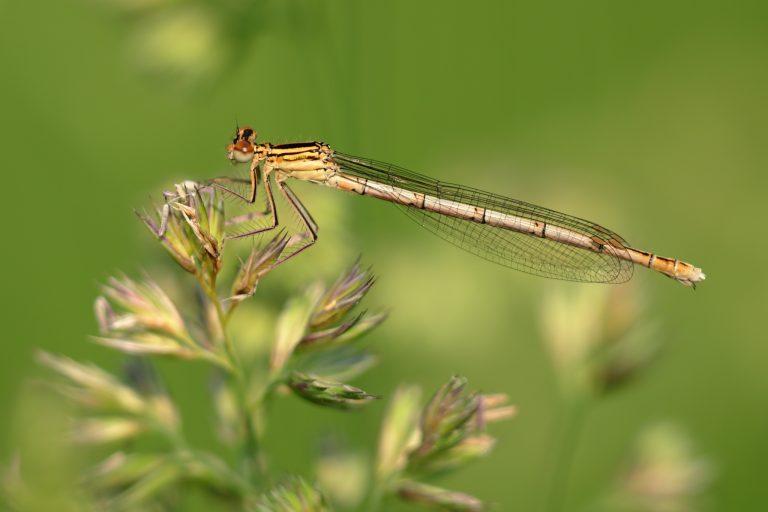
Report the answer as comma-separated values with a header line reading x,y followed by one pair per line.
x,y
307,161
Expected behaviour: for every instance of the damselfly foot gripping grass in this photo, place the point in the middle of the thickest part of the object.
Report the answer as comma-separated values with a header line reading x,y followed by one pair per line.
x,y
506,231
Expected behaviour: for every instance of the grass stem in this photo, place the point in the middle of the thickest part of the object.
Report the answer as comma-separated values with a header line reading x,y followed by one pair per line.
x,y
572,422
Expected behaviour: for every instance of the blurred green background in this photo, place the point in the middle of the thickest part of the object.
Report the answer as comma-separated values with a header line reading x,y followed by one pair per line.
x,y
650,118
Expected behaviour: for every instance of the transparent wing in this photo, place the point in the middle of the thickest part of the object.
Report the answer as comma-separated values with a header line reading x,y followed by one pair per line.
x,y
527,253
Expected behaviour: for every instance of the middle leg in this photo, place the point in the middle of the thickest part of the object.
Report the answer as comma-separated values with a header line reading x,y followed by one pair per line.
x,y
310,226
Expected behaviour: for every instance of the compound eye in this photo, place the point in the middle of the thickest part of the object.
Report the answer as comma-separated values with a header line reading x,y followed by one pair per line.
x,y
247,133
240,151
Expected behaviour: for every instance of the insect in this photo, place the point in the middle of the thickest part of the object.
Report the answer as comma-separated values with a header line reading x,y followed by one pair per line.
x,y
512,233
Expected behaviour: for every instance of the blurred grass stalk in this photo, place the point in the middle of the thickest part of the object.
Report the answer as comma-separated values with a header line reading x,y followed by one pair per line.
x,y
662,474
598,340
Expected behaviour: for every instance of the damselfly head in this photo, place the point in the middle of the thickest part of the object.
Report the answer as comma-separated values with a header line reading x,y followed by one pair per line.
x,y
242,147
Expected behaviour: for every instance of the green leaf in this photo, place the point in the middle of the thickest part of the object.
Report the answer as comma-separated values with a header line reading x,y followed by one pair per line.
x,y
292,325
107,430
399,432
339,364
165,476
122,469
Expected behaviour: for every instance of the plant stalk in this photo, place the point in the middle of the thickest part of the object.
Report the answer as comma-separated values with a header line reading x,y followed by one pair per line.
x,y
563,460
252,462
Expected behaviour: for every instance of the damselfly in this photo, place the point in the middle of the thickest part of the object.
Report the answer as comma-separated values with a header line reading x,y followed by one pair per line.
x,y
506,231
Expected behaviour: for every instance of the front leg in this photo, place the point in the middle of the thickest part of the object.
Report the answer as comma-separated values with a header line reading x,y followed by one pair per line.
x,y
271,210
254,174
